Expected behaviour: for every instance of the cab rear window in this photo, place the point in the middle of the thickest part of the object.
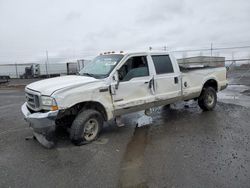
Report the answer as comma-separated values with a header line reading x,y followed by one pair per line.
x,y
162,64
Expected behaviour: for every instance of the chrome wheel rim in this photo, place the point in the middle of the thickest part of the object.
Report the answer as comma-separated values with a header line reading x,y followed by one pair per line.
x,y
210,99
90,130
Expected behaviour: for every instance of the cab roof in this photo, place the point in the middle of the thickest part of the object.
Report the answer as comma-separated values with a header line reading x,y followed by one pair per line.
x,y
136,53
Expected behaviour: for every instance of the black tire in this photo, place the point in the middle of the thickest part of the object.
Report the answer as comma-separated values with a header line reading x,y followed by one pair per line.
x,y
80,124
208,99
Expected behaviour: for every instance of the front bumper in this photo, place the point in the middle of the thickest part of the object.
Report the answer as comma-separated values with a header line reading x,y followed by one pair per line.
x,y
43,124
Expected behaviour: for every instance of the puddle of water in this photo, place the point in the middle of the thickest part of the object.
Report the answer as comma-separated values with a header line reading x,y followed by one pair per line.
x,y
132,164
246,92
235,94
144,120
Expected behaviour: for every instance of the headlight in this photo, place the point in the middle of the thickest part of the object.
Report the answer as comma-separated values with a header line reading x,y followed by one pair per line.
x,y
49,103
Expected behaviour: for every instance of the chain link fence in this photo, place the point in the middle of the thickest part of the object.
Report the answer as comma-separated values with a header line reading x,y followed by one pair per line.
x,y
31,70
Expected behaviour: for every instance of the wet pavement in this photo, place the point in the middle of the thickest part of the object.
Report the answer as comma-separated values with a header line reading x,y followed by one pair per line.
x,y
236,94
182,147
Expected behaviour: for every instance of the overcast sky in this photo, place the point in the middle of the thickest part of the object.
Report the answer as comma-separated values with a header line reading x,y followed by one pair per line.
x,y
83,28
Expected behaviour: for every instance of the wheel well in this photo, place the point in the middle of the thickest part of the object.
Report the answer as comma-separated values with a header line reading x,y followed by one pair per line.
x,y
211,83
93,105
74,110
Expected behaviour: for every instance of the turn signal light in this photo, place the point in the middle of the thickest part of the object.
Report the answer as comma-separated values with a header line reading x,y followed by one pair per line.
x,y
54,108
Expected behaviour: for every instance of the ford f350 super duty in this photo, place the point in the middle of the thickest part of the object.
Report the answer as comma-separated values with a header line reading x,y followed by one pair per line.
x,y
112,85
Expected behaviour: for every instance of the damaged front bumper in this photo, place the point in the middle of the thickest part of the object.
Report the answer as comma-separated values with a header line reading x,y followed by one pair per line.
x,y
43,125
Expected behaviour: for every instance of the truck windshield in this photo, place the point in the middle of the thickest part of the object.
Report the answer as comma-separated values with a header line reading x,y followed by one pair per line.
x,y
101,66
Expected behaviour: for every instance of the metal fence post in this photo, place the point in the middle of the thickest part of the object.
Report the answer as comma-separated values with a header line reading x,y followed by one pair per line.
x,y
16,70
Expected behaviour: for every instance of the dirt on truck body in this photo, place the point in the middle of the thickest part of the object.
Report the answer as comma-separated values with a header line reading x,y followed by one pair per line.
x,y
113,85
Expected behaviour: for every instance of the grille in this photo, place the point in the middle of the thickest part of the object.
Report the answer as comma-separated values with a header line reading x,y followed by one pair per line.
x,y
32,101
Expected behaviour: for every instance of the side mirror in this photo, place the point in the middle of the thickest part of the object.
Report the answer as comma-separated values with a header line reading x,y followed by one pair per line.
x,y
116,79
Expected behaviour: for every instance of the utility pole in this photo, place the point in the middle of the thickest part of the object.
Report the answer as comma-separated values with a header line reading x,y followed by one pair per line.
x,y
211,49
233,61
165,48
47,61
16,70
211,53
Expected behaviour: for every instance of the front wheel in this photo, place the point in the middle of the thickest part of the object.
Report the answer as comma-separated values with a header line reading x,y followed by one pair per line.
x,y
208,99
86,127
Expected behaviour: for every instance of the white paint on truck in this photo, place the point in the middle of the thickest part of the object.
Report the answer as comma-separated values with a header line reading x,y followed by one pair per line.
x,y
116,84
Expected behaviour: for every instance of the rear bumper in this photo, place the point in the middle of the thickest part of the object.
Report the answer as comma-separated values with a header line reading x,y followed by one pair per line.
x,y
43,124
223,86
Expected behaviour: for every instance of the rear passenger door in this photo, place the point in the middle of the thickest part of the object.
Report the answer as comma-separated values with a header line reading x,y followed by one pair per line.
x,y
167,79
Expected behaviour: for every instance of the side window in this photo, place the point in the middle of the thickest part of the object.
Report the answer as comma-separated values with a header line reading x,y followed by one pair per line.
x,y
162,64
134,67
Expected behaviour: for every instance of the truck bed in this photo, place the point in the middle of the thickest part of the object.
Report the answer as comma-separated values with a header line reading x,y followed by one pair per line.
x,y
194,78
188,69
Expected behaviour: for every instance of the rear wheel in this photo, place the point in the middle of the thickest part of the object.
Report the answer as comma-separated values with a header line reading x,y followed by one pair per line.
x,y
208,99
86,127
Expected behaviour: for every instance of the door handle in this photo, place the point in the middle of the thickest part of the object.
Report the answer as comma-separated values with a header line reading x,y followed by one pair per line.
x,y
146,82
176,80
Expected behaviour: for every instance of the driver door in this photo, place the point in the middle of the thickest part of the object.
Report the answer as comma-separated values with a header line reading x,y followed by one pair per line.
x,y
133,92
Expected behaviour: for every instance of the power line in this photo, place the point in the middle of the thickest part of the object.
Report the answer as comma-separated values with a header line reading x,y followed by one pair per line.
x,y
228,60
82,54
209,49
86,52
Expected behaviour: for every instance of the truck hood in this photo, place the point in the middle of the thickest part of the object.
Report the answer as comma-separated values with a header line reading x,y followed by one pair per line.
x,y
49,86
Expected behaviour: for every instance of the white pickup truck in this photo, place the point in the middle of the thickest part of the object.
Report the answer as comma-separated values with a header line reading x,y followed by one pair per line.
x,y
111,85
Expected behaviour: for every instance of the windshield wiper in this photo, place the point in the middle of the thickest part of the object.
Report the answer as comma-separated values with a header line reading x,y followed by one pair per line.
x,y
88,74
